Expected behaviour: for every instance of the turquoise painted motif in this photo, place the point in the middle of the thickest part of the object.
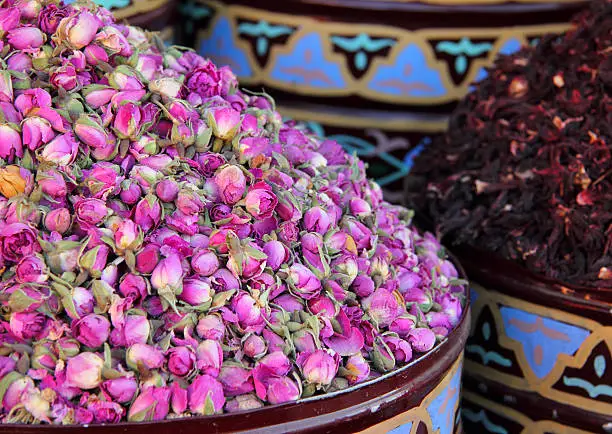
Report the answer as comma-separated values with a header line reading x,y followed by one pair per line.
x,y
221,48
263,31
593,390
192,11
482,418
307,65
410,75
462,50
441,410
488,356
543,339
361,45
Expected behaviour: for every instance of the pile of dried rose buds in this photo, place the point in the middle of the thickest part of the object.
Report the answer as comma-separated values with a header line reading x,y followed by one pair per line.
x,y
169,247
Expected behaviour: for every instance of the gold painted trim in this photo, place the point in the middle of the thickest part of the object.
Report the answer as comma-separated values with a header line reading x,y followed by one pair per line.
x,y
139,7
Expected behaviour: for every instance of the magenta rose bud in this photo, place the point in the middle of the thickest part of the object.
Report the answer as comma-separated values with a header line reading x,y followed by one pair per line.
x,y
152,404
282,389
167,190
143,355
248,312
277,253
121,389
260,201
384,306
357,369
85,371
211,327
26,38
58,220
402,351
148,213
52,183
196,292
422,339
451,307
92,330
206,395
303,281
27,325
322,306
83,300
91,211
181,361
205,262
32,269
231,183
128,120
61,151
168,273
317,220
402,326
224,122
147,259
90,132
363,285
209,356
133,286
304,341
9,18
319,367
359,207
11,144
180,398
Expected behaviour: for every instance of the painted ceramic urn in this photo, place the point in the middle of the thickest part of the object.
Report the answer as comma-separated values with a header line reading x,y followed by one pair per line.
x,y
380,76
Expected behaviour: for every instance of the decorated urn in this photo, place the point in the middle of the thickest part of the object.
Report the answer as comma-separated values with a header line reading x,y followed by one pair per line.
x,y
381,77
174,257
521,185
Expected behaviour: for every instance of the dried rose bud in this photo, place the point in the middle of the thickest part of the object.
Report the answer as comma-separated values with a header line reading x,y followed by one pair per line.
x,y
144,355
121,389
254,346
422,339
28,325
32,269
10,142
79,30
382,357
147,259
92,330
148,213
260,200
128,236
231,184
168,274
14,181
211,327
85,371
243,402
209,356
9,18
167,190
26,38
304,341
61,151
317,220
384,306
181,361
179,400
224,122
304,282
206,395
136,330
451,307
281,390
152,404
402,326
402,351
357,369
205,262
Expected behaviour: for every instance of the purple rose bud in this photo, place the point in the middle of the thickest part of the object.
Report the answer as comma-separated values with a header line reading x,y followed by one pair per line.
x,y
26,38
181,361
167,190
210,357
32,269
148,213
92,331
152,404
281,390
130,192
419,298
146,356
438,319
58,220
180,398
133,286
304,341
254,346
206,395
422,339
402,326
289,303
28,325
235,380
91,211
121,389
363,286
147,259
277,252
260,201
211,327
303,281
196,291
317,220
231,184
168,273
402,351
85,371
358,369
205,262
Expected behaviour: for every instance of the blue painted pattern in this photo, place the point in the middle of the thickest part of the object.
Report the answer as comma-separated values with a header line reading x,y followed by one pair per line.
x,y
403,429
593,390
221,49
441,409
307,65
462,50
481,417
360,45
543,339
263,31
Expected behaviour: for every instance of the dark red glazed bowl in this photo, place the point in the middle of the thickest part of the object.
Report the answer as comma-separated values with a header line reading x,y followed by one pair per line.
x,y
539,356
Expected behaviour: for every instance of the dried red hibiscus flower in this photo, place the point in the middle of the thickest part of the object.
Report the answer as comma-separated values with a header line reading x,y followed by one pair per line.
x,y
525,167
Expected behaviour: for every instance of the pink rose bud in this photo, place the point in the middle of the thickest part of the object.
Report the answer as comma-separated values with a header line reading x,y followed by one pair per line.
x,y
242,403
83,300
147,259
179,399
254,346
152,404
288,302
276,363
26,38
9,18
252,264
148,213
359,232
236,380
288,232
418,297
168,273
58,220
61,151
402,326
128,235
281,390
64,77
144,356
451,307
6,87
32,269
136,330
92,331
224,122
181,361
357,369
90,132
36,132
360,207
260,201
11,145
384,306
211,327
363,286
85,371
91,211
20,62
95,55
121,389
303,281
196,292
317,220
79,30
133,286
422,339
205,262
130,192
28,325
189,203
248,312
167,190
438,319
277,252
402,351
382,357
52,183
319,367
304,341
206,395
231,183
128,120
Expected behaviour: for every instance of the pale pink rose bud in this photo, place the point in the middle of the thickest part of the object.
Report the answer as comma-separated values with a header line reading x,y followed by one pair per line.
x,y
317,220
26,38
61,151
97,95
224,122
166,86
319,367
32,269
85,371
180,397
211,327
128,236
36,132
357,369
189,203
206,395
143,355
16,391
402,326
281,390
28,325
277,252
236,380
10,142
205,262
136,329
277,363
231,183
422,339
147,259
167,190
402,351
90,132
6,87
384,306
254,346
303,281
242,403
92,330
152,404
83,300
121,389
128,121
304,341
181,361
196,291
79,30
168,273
210,357
9,18
58,220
